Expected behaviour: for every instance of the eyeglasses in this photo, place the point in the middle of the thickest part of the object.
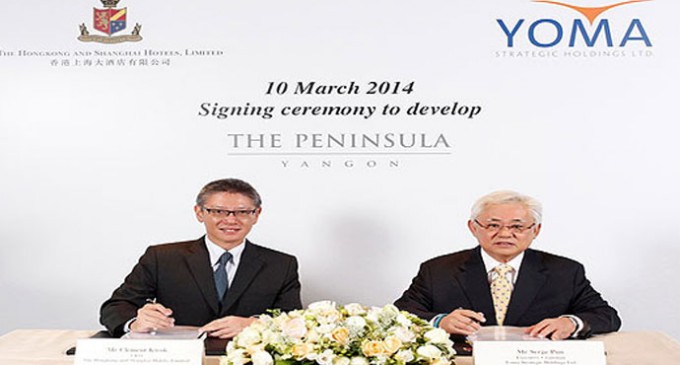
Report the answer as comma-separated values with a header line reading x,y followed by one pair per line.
x,y
225,213
516,228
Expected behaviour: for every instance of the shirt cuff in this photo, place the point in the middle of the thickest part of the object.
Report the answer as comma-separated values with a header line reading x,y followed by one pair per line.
x,y
126,326
577,321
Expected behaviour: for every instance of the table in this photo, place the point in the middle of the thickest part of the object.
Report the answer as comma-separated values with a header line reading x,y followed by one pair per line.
x,y
43,347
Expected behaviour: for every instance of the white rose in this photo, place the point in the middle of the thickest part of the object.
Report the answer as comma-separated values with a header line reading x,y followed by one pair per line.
x,y
259,325
437,335
237,357
372,314
390,311
379,360
270,337
295,328
248,337
355,323
322,306
341,360
429,352
281,320
255,349
325,328
358,360
313,336
266,317
296,313
262,358
403,320
325,358
355,309
404,334
404,356
331,317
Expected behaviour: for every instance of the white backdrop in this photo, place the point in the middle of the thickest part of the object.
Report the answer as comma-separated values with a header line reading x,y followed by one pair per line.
x,y
103,146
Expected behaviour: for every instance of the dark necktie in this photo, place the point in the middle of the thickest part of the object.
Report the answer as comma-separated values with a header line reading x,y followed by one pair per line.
x,y
221,281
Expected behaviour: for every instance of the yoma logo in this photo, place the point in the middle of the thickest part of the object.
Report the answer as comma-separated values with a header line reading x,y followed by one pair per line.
x,y
538,28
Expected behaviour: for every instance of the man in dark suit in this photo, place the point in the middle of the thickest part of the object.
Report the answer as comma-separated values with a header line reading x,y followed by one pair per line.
x,y
219,281
503,282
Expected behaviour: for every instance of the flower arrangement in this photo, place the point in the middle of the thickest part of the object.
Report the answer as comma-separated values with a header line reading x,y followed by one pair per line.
x,y
328,334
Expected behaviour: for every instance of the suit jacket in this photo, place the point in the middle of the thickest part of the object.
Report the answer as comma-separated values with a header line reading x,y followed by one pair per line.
x,y
180,276
547,286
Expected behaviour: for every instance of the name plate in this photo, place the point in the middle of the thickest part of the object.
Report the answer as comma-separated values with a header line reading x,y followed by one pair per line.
x,y
116,351
538,353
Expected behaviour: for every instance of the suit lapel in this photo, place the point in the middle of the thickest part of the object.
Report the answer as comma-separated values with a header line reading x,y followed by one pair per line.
x,y
198,261
531,279
248,268
477,291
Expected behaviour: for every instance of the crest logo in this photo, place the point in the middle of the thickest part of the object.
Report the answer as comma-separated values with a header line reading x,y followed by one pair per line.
x,y
109,21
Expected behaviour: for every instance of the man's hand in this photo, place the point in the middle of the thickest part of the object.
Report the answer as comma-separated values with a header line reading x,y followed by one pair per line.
x,y
227,327
151,317
553,328
462,322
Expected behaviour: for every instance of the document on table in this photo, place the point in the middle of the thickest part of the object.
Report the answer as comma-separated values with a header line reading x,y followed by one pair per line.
x,y
172,333
502,333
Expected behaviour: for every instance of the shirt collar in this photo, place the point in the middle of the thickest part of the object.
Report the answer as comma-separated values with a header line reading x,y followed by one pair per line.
x,y
490,263
216,251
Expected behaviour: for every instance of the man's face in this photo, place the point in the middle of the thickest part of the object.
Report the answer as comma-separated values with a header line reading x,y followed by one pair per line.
x,y
505,243
227,230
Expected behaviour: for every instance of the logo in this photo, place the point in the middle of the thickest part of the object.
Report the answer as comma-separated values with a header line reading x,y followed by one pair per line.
x,y
591,13
599,31
110,21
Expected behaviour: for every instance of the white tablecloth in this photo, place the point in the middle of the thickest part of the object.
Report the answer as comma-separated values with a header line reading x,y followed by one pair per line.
x,y
43,347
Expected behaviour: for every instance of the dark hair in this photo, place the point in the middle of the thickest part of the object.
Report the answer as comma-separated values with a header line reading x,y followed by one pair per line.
x,y
229,186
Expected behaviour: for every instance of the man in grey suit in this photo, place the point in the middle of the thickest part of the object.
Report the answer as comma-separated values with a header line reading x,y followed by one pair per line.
x,y
219,281
504,282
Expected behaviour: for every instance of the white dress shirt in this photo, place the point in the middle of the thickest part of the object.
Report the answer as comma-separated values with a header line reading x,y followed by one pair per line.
x,y
490,264
216,251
